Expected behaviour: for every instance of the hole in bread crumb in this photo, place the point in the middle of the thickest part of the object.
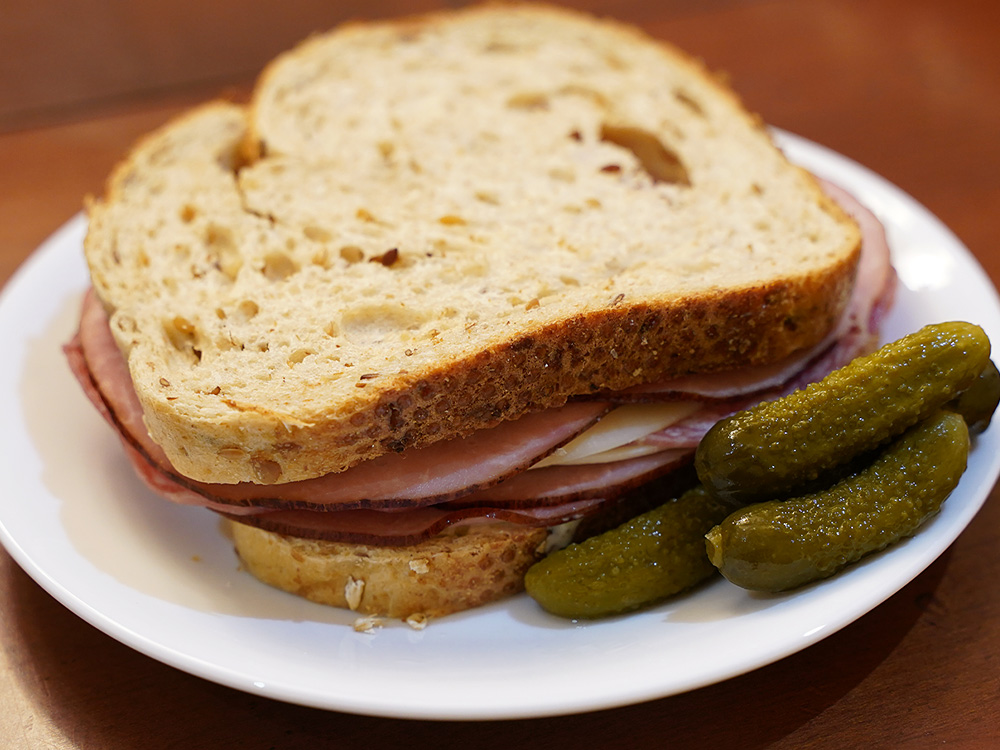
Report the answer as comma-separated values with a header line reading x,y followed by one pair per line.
x,y
298,355
181,333
689,101
188,213
126,324
265,470
486,197
586,92
659,162
316,234
528,100
352,253
365,324
223,251
321,258
247,309
704,264
278,266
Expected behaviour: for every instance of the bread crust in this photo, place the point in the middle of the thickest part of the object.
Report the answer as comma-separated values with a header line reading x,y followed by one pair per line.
x,y
613,349
442,575
208,183
616,342
254,145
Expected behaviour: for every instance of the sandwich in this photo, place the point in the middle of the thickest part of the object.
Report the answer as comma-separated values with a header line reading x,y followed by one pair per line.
x,y
454,290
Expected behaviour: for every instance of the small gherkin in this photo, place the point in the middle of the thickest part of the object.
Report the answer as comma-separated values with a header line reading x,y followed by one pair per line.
x,y
783,544
655,555
776,448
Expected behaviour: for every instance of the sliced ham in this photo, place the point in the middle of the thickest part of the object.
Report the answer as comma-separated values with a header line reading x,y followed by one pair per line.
x,y
166,486
110,384
723,385
428,475
154,477
73,351
401,498
423,476
687,433
388,527
562,483
875,285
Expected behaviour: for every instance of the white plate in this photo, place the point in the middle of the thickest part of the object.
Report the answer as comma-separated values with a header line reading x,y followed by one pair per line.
x,y
163,579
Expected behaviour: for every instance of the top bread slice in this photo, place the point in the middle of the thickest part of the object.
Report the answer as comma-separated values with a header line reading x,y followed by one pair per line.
x,y
421,227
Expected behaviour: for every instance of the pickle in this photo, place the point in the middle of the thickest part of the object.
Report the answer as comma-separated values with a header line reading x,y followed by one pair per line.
x,y
978,402
793,444
780,545
653,556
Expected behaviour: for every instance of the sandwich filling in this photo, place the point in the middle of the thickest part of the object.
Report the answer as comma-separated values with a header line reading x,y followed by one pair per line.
x,y
544,469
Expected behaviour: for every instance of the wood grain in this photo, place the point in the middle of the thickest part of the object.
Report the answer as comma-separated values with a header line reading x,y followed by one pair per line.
x,y
910,89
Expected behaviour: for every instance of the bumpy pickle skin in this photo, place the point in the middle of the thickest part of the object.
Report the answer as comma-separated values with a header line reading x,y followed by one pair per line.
x,y
778,448
780,545
655,555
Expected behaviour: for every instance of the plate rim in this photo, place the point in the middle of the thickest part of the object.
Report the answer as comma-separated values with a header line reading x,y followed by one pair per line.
x,y
800,150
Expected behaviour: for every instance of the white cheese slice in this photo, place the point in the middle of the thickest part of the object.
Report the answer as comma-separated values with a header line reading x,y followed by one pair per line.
x,y
619,428
621,453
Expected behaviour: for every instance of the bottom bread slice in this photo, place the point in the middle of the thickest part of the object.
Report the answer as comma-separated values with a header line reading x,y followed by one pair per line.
x,y
441,575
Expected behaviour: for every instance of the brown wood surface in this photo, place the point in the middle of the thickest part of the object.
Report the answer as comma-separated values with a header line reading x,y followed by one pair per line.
x,y
909,88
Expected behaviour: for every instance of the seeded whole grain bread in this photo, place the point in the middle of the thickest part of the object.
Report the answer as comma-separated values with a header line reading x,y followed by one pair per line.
x,y
441,575
422,227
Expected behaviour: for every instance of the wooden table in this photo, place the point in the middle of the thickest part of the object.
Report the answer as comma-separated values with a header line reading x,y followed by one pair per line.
x,y
910,88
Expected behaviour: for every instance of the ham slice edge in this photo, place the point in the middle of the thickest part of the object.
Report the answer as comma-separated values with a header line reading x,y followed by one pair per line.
x,y
441,474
